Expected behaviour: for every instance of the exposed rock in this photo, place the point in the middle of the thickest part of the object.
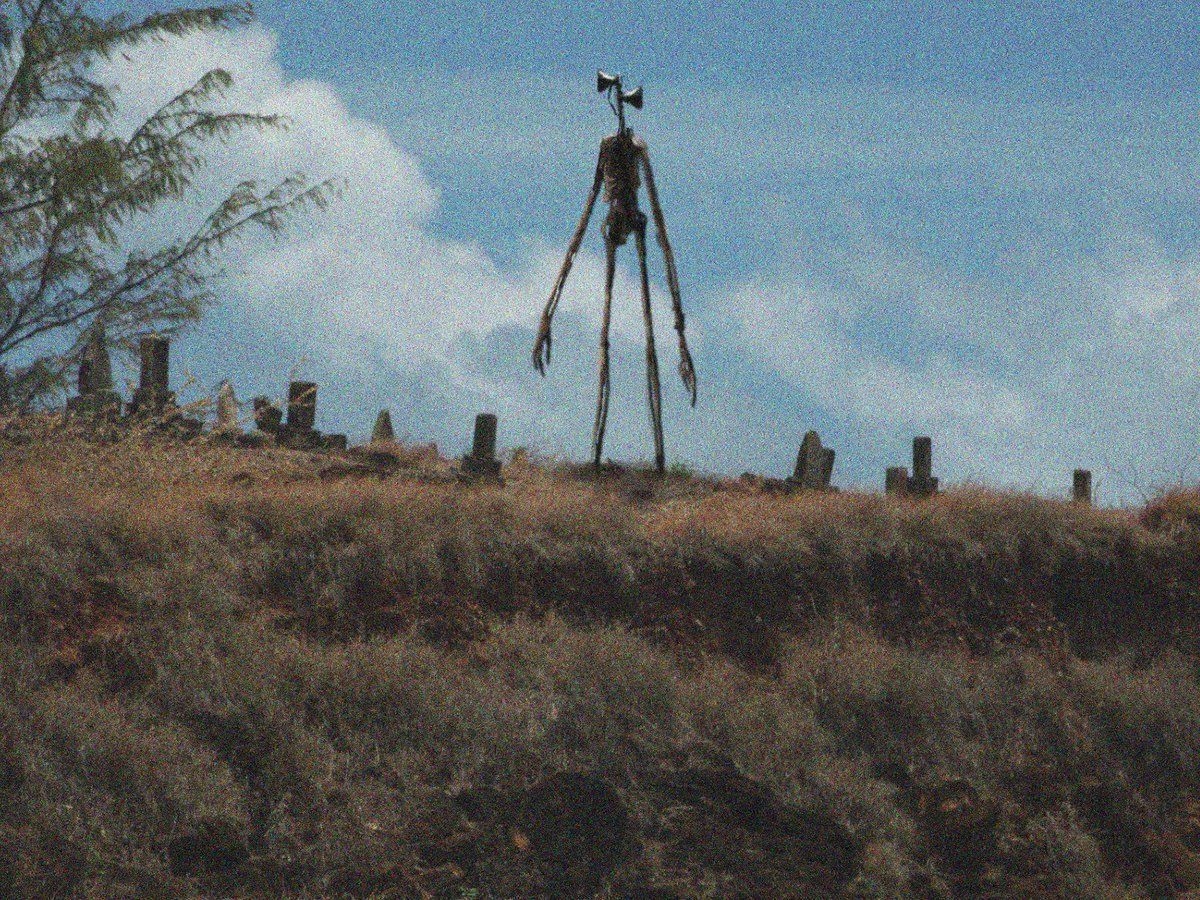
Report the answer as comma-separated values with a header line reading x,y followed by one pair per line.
x,y
214,845
577,827
739,829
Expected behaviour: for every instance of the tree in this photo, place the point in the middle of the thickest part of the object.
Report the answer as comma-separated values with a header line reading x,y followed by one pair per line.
x,y
69,188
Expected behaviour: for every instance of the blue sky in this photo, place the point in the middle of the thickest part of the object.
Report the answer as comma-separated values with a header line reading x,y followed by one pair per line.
x,y
976,221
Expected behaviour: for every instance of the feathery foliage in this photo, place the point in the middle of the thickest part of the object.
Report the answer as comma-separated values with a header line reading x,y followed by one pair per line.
x,y
69,186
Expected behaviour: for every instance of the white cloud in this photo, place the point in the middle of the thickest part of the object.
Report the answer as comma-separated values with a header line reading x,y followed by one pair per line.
x,y
1048,360
369,278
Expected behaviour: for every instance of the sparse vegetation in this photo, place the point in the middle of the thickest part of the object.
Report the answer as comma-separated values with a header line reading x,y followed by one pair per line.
x,y
259,673
74,185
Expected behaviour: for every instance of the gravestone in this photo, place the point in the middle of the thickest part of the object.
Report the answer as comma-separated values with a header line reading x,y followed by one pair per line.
x,y
481,462
227,410
922,483
268,418
95,368
96,399
814,465
382,433
298,431
1082,486
153,395
302,406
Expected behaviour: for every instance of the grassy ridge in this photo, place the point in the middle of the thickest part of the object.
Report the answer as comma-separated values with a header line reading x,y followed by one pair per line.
x,y
260,673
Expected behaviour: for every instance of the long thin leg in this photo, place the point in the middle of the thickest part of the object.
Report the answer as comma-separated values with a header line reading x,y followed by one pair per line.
x,y
653,385
610,251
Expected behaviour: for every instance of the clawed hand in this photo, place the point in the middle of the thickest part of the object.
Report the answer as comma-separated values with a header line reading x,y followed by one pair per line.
x,y
686,370
541,348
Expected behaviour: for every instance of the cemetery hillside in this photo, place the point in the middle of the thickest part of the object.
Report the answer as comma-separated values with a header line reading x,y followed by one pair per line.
x,y
242,658
245,665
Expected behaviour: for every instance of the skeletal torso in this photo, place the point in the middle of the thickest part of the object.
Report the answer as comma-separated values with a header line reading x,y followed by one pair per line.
x,y
619,154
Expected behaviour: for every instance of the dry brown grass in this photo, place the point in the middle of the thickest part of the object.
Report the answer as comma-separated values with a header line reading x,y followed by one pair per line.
x,y
261,673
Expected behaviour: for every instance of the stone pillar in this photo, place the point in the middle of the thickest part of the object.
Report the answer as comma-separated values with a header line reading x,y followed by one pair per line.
x,y
1082,486
922,483
153,394
484,445
95,369
897,480
481,462
814,464
268,417
383,433
827,457
302,406
227,410
96,395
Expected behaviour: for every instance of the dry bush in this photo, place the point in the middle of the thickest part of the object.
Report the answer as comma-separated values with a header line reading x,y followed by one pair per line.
x,y
1176,509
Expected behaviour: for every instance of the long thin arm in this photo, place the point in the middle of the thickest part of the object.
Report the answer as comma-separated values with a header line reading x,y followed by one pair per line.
x,y
541,348
686,370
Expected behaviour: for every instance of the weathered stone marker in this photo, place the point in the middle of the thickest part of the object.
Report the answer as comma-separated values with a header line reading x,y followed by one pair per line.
x,y
827,458
922,483
481,462
302,406
382,433
897,480
96,395
153,394
814,465
298,432
1082,486
95,368
268,417
227,410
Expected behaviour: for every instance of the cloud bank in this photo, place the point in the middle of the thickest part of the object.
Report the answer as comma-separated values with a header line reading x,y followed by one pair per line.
x,y
1024,355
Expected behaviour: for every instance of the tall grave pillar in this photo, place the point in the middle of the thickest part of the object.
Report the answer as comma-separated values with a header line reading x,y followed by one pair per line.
x,y
96,395
153,395
481,462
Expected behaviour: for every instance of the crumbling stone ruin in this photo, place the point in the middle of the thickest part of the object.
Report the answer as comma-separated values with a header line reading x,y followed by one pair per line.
x,y
814,465
227,411
97,399
481,462
382,433
921,483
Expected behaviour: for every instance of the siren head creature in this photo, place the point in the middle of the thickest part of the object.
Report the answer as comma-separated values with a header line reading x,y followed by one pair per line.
x,y
621,156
